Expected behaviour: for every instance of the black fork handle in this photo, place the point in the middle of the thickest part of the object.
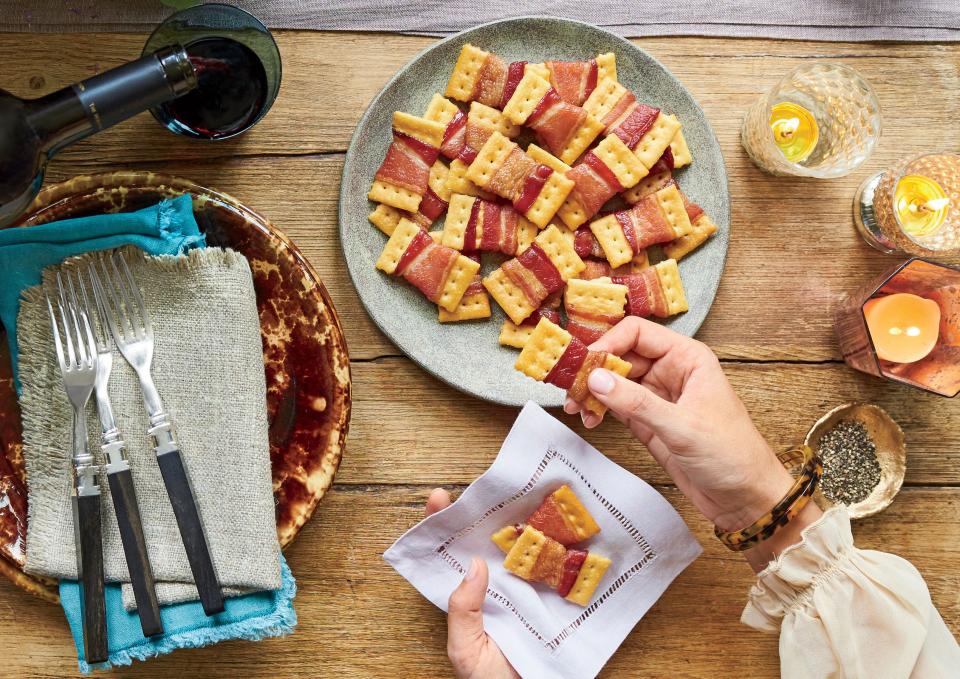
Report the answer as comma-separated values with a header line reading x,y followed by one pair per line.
x,y
191,530
90,566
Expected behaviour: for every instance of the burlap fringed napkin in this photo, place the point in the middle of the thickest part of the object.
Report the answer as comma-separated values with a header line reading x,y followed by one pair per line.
x,y
208,367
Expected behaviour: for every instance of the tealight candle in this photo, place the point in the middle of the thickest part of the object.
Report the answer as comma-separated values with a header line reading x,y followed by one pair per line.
x,y
904,327
795,130
921,204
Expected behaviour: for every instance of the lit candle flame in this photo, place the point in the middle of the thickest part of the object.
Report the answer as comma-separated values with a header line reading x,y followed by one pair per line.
x,y
935,204
789,127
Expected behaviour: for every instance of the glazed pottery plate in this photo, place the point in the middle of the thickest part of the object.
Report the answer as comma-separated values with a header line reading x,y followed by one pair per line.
x,y
305,356
467,355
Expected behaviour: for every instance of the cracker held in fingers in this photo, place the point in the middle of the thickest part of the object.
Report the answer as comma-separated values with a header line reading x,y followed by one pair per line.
x,y
516,335
574,81
476,225
657,291
573,573
534,189
442,274
702,226
657,218
521,284
432,205
645,129
554,356
482,76
593,307
567,130
403,177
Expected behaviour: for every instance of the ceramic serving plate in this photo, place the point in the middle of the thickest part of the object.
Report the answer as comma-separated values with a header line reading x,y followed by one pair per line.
x,y
304,353
467,355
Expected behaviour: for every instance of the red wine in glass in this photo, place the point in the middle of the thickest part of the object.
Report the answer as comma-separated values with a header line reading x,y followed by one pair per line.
x,y
231,94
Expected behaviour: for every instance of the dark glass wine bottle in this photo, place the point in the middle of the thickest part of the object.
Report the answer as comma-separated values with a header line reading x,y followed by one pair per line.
x,y
31,131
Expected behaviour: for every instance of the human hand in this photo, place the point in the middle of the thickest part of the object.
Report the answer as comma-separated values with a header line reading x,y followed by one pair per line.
x,y
474,655
678,402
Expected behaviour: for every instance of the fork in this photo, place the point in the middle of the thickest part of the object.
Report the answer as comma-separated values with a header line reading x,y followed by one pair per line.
x,y
78,366
122,302
122,490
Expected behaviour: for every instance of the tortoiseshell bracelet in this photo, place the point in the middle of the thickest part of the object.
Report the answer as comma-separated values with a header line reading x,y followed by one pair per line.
x,y
792,503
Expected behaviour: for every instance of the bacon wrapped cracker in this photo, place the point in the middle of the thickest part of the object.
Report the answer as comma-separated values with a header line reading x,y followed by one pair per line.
x,y
593,307
702,226
659,217
523,283
535,190
574,81
656,291
567,130
483,76
592,254
644,129
516,335
603,172
442,274
563,517
432,206
474,224
554,356
404,176
479,124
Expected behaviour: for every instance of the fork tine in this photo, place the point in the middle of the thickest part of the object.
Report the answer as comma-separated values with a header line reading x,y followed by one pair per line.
x,y
56,336
66,325
82,350
131,296
95,316
104,303
112,288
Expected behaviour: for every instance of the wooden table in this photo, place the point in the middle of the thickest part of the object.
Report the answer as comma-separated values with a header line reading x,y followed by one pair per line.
x,y
793,255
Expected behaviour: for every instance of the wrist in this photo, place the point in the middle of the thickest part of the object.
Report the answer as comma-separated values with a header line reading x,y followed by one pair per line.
x,y
757,497
792,533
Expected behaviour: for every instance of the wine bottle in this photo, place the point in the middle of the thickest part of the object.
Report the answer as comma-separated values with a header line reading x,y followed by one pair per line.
x,y
32,131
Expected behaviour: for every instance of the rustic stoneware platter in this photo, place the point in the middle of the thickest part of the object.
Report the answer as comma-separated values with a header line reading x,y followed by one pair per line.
x,y
467,355
304,353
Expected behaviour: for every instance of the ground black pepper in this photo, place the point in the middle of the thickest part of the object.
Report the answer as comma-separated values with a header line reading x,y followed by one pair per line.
x,y
850,466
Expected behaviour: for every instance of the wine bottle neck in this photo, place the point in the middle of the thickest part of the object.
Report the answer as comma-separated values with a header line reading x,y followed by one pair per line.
x,y
97,103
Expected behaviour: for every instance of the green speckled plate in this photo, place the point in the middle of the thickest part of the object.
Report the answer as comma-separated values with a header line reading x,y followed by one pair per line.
x,y
467,355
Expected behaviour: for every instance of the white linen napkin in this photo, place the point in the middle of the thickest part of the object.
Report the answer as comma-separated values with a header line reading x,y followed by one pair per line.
x,y
542,634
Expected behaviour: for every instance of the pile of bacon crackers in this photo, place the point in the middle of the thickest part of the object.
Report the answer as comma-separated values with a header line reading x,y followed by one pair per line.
x,y
543,208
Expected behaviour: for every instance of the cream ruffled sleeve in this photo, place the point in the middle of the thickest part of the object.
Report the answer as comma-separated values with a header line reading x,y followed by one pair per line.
x,y
848,612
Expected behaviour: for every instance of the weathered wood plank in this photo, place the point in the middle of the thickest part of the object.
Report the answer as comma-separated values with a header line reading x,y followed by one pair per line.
x,y
358,618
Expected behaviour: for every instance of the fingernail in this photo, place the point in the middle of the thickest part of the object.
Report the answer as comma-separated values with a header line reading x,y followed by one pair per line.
x,y
600,381
473,570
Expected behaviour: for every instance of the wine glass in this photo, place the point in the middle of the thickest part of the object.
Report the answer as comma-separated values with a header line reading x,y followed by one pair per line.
x,y
238,68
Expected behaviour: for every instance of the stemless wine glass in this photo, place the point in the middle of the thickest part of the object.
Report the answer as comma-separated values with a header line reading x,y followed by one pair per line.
x,y
822,120
913,207
238,67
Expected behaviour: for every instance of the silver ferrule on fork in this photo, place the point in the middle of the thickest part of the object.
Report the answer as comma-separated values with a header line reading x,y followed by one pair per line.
x,y
86,474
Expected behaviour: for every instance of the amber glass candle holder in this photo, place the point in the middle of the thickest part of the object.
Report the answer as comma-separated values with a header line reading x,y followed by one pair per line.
x,y
821,120
939,371
913,207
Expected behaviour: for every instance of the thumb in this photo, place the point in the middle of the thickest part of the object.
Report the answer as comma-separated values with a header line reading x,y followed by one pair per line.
x,y
465,633
631,401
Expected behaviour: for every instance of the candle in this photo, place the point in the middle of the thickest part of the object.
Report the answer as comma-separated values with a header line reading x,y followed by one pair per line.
x,y
921,204
795,130
904,327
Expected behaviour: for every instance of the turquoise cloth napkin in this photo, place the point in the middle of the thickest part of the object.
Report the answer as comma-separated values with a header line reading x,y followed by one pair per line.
x,y
166,228
252,616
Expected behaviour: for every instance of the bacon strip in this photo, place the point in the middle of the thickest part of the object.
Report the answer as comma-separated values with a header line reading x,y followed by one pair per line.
x,y
556,121
586,244
537,261
589,327
645,295
573,80
630,120
664,163
454,137
564,372
551,315
578,391
571,570
491,81
625,219
509,180
432,205
404,167
532,186
514,76
417,245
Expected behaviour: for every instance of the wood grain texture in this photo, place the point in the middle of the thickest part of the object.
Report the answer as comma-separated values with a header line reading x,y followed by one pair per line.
x,y
793,255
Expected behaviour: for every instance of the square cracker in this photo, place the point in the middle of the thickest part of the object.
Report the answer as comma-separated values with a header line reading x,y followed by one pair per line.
x,y
438,180
657,139
613,364
509,296
574,513
441,110
591,573
457,181
561,252
458,217
581,139
464,269
610,235
513,335
598,296
492,119
621,160
526,233
505,538
672,207
530,91
489,159
553,194
703,228
604,97
397,245
394,196
523,556
386,218
471,307
544,157
606,66
681,152
572,213
543,349
430,132
670,281
466,71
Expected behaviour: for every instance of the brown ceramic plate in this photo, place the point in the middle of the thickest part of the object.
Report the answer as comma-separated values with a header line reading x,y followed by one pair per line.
x,y
304,353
